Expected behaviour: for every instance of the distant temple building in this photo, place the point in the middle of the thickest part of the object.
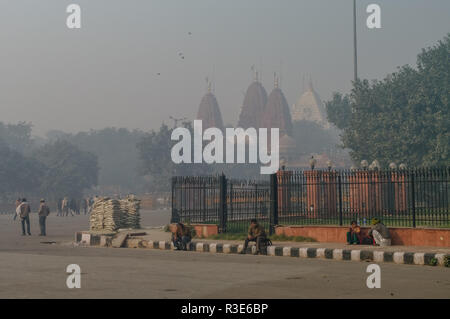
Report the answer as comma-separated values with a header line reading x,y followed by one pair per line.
x,y
209,111
277,113
261,111
255,101
309,107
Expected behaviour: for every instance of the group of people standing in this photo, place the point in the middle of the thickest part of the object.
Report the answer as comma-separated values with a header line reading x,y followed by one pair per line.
x,y
74,207
23,211
65,207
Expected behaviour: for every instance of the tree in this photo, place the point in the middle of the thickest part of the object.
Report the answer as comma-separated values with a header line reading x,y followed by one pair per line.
x,y
69,171
17,136
116,151
403,118
339,110
156,162
310,137
18,174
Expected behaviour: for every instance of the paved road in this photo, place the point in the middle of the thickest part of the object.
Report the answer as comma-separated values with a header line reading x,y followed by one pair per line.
x,y
29,269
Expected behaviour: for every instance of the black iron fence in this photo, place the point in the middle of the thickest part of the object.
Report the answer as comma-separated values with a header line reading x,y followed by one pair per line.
x,y
404,198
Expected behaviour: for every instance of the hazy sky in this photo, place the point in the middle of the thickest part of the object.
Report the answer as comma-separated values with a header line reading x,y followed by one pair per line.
x,y
106,73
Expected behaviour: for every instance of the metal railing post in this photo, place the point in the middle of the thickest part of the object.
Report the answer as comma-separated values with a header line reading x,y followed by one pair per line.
x,y
223,204
273,203
413,199
340,199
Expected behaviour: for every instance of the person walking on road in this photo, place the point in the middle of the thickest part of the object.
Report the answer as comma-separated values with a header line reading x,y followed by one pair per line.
x,y
43,212
23,211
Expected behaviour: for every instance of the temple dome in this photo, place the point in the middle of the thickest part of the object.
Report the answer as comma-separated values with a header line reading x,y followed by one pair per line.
x,y
209,112
253,107
277,114
309,107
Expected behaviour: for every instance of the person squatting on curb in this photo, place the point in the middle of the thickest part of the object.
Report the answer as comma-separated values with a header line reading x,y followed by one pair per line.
x,y
380,233
181,237
257,234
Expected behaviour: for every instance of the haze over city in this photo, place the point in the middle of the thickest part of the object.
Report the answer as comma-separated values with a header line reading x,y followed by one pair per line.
x,y
134,66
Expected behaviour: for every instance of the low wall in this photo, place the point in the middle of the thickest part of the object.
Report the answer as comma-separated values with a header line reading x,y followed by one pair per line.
x,y
201,230
400,236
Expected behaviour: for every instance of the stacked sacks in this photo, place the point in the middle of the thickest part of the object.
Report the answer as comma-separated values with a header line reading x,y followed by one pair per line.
x,y
112,214
130,208
106,215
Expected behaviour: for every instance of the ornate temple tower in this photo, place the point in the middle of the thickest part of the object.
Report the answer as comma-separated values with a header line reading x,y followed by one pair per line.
x,y
209,111
309,107
255,101
276,113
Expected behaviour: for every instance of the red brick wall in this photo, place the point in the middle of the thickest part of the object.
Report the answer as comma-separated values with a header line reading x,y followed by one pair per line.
x,y
201,230
400,236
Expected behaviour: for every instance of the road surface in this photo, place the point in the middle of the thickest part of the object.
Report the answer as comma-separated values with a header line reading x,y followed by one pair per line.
x,y
30,268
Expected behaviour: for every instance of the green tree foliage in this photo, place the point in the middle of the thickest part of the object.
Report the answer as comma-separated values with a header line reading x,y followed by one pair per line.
x,y
68,171
17,136
403,118
18,174
339,110
311,138
156,162
116,151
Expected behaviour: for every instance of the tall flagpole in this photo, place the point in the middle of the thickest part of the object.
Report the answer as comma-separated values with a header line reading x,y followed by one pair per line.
x,y
355,57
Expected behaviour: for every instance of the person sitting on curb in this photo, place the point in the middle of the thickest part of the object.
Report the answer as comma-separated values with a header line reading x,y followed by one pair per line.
x,y
380,233
181,237
354,234
257,234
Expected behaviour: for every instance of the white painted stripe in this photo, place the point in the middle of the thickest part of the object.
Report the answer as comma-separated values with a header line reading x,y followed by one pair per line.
x,y
287,251
440,258
398,257
337,254
419,258
303,252
320,253
355,255
378,256
199,247
271,250
162,245
213,248
227,248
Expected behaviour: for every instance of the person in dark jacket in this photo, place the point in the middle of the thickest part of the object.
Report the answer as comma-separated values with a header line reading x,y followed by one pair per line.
x,y
354,234
257,234
43,212
181,237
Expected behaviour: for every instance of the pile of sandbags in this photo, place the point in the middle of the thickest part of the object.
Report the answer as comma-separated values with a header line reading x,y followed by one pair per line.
x,y
130,208
112,214
106,214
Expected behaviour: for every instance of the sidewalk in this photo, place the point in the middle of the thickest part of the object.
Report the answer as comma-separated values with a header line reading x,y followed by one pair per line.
x,y
156,238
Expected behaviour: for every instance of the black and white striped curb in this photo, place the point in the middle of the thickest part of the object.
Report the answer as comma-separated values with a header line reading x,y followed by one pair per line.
x,y
325,253
398,257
